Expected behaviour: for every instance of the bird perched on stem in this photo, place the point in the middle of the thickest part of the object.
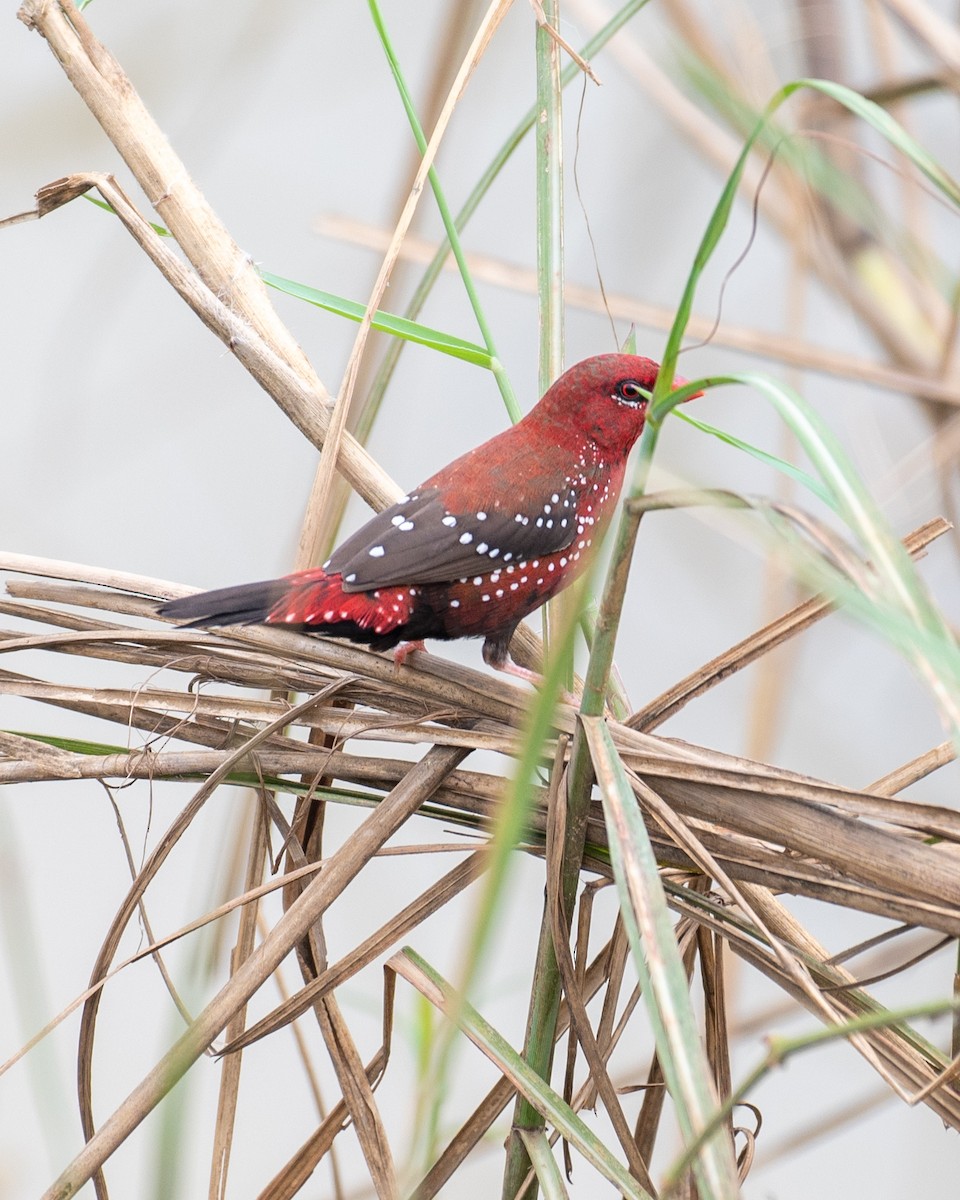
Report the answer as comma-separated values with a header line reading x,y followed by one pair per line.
x,y
480,544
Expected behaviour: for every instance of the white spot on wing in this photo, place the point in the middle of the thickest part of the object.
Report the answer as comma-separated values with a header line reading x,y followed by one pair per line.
x,y
376,552
466,539
449,522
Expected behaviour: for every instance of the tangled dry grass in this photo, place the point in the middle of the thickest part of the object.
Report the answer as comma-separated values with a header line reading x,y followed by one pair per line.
x,y
733,836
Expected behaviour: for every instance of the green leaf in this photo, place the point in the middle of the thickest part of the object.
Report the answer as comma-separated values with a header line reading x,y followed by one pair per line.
x,y
399,327
449,224
159,230
544,1164
870,112
805,480
902,589
543,1098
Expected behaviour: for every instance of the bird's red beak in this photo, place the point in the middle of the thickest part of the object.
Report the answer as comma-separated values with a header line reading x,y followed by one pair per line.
x,y
679,382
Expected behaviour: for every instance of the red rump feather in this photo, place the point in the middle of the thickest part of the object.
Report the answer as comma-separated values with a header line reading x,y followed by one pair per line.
x,y
314,598
480,544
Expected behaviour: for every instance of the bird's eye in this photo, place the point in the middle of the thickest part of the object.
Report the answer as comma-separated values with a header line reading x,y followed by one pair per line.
x,y
630,392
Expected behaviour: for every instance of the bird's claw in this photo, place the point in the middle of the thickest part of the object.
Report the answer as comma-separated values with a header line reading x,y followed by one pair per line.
x,y
403,652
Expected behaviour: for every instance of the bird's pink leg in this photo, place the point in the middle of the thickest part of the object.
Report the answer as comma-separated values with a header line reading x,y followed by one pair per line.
x,y
509,667
404,650
496,654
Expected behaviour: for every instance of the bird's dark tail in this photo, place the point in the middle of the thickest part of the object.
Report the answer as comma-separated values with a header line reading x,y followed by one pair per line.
x,y
247,604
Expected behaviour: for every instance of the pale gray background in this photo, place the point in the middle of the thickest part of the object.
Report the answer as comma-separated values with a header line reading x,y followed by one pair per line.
x,y
133,440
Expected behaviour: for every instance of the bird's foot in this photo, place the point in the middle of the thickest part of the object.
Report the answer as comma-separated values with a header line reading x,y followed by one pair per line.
x,y
403,652
509,667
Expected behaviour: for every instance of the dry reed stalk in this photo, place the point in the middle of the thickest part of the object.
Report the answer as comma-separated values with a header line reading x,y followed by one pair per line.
x,y
784,348
742,811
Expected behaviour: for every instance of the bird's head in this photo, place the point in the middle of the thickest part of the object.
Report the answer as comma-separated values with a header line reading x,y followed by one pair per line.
x,y
604,397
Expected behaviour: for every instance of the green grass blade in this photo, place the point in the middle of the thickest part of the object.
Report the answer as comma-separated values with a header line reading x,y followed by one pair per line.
x,y
546,1101
159,230
806,158
549,177
510,828
386,322
771,460
537,1146
877,117
472,203
880,120
660,968
899,608
20,938
539,1042
892,564
399,327
781,1048
449,224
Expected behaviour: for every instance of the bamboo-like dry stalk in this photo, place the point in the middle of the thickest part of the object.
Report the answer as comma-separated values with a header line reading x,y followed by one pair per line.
x,y
761,825
781,348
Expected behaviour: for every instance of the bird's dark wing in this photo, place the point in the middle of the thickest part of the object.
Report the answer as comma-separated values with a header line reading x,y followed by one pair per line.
x,y
418,541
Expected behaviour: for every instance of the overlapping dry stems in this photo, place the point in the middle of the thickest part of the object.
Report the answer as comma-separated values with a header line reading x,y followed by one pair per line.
x,y
764,828
732,835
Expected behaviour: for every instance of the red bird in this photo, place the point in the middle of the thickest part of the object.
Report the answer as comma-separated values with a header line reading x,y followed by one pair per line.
x,y
478,546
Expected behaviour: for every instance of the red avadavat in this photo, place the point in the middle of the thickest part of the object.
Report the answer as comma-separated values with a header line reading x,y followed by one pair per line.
x,y
480,544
